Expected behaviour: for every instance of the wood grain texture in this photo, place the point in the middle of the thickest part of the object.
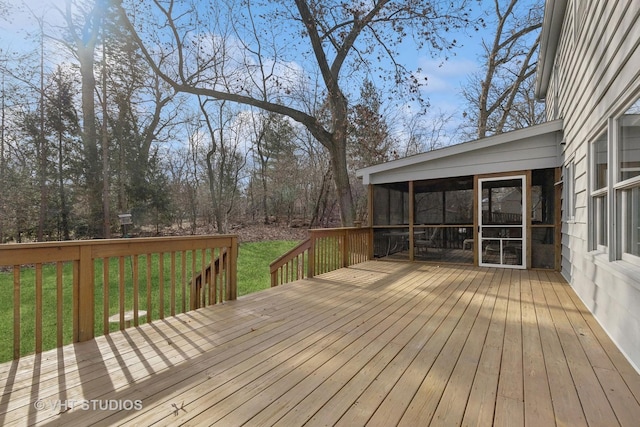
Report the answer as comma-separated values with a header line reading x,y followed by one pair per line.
x,y
379,343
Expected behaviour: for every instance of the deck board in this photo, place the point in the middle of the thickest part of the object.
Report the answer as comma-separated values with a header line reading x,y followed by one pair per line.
x,y
379,343
566,404
509,401
537,396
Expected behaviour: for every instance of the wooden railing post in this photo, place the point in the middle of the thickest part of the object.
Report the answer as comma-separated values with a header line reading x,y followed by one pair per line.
x,y
85,296
345,248
371,249
232,274
196,288
16,311
311,264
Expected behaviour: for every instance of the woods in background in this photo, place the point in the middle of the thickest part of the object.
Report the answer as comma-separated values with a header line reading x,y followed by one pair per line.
x,y
222,121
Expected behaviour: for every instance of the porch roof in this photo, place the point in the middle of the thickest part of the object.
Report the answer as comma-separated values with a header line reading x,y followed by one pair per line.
x,y
535,147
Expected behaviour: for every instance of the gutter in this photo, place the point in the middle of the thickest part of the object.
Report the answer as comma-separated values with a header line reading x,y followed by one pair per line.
x,y
554,12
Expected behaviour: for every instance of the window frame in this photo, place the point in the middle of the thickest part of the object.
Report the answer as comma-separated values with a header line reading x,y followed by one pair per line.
x,y
623,192
621,188
615,194
598,209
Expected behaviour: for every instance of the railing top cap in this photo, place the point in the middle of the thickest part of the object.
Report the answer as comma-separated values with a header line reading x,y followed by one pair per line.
x,y
93,242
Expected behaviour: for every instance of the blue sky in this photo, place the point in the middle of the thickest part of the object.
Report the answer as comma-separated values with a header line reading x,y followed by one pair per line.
x,y
445,78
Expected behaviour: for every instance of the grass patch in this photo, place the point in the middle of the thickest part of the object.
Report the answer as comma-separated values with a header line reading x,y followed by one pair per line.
x,y
253,263
253,275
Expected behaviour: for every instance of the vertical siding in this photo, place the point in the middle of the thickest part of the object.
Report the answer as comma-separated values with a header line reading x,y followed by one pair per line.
x,y
597,75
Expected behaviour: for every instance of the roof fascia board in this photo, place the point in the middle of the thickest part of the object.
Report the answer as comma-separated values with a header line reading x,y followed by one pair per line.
x,y
554,11
503,138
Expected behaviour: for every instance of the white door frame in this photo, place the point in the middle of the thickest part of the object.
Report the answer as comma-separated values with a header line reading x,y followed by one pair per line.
x,y
503,241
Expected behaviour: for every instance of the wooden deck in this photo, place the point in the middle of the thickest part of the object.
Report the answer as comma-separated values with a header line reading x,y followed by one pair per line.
x,y
379,343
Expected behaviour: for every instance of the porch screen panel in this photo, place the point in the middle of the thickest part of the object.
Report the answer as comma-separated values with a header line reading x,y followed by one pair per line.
x,y
543,247
459,207
380,205
391,242
391,204
543,196
429,208
443,214
543,219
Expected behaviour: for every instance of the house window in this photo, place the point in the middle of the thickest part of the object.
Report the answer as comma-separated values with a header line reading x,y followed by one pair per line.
x,y
615,187
599,155
629,144
627,185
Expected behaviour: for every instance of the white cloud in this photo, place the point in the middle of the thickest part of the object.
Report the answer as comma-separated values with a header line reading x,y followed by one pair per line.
x,y
445,76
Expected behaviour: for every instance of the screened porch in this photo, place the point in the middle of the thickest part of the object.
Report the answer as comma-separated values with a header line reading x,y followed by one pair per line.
x,y
506,219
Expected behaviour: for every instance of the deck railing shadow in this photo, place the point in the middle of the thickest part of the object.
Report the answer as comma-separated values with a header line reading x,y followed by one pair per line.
x,y
56,293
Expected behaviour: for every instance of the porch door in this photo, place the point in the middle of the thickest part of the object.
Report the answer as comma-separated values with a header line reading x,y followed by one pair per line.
x,y
502,221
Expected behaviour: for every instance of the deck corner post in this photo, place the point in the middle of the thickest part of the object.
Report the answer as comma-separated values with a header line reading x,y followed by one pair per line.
x,y
85,295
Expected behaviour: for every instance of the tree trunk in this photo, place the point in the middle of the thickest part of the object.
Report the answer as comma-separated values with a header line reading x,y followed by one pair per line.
x,y
343,192
42,147
85,38
263,167
2,161
64,210
212,189
90,142
338,153
105,153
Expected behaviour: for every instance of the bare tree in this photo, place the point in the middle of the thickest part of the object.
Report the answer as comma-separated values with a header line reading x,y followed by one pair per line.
x,y
499,97
3,126
224,159
272,140
424,132
338,40
189,170
84,23
42,146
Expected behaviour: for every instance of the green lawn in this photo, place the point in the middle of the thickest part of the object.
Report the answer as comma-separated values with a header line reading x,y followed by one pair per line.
x,y
253,263
253,275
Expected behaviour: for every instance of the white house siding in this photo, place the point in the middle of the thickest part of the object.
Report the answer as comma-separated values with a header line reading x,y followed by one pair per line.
x,y
597,75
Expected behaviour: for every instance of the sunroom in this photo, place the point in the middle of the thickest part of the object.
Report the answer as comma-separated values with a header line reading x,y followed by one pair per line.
x,y
491,202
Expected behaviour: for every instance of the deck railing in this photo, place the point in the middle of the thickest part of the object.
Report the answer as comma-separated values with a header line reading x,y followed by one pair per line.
x,y
325,250
59,292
